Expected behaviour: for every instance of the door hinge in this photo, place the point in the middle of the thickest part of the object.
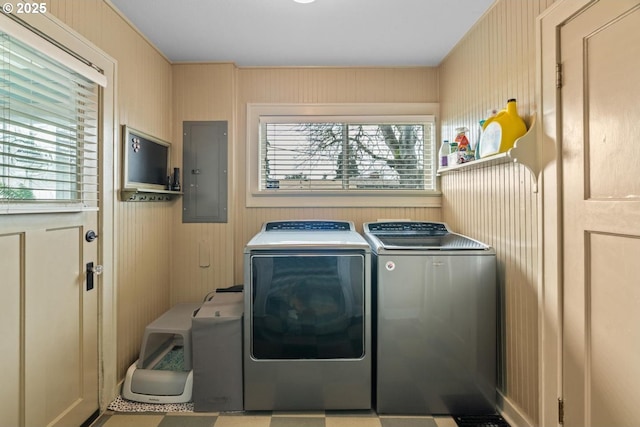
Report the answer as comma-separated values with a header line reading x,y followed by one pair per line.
x,y
558,76
560,411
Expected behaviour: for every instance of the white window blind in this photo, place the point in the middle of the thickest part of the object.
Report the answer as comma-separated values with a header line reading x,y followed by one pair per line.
x,y
48,130
371,154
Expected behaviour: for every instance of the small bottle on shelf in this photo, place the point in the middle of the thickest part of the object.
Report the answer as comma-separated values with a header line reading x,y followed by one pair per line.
x,y
176,180
443,154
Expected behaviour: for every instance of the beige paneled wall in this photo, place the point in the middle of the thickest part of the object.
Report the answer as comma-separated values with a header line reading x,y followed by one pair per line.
x,y
494,62
322,85
143,230
202,255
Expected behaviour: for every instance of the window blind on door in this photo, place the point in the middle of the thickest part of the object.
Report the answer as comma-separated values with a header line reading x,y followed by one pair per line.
x,y
48,130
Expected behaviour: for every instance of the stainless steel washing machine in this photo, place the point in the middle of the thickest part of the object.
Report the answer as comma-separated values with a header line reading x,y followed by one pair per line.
x,y
307,329
435,320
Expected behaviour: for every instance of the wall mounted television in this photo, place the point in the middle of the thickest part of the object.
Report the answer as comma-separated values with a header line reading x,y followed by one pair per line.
x,y
146,162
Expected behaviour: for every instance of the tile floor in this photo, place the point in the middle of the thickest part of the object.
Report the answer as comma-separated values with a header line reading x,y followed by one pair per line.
x,y
268,419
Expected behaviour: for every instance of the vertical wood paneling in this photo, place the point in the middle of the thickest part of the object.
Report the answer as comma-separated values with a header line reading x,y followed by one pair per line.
x,y
142,230
203,92
496,61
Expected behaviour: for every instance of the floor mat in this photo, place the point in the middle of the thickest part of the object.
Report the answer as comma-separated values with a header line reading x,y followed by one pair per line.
x,y
480,421
123,405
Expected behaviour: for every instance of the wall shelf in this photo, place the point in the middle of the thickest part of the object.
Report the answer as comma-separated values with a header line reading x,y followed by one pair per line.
x,y
147,195
524,152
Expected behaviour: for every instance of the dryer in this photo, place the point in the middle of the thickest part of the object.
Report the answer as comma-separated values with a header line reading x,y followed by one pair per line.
x,y
435,319
307,331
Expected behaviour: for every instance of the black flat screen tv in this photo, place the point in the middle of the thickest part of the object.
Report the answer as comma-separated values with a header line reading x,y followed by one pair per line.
x,y
146,161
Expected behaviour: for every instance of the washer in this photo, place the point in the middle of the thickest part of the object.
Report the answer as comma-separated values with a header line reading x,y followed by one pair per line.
x,y
435,320
307,329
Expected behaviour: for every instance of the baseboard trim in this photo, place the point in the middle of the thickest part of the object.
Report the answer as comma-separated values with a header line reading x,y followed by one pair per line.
x,y
91,419
512,413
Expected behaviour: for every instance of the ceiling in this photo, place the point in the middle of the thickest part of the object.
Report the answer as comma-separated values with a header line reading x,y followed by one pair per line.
x,y
322,33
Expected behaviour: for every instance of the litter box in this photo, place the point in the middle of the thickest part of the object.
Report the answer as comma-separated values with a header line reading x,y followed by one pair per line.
x,y
163,373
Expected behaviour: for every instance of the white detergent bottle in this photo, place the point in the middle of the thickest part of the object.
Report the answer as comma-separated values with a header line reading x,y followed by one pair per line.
x,y
445,150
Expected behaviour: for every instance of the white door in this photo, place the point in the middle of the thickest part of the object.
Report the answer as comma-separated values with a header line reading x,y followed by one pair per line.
x,y
600,56
49,172
50,321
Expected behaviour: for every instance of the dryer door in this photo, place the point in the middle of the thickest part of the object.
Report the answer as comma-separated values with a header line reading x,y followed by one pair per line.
x,y
307,305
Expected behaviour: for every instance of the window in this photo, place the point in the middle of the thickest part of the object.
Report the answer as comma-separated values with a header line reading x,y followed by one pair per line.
x,y
365,152
346,156
48,131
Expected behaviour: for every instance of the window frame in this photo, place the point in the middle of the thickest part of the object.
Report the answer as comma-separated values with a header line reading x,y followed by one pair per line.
x,y
370,112
56,53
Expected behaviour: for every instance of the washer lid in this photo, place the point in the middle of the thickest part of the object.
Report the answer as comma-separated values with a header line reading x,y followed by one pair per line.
x,y
418,235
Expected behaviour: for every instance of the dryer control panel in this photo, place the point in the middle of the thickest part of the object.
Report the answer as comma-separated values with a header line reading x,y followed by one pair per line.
x,y
308,225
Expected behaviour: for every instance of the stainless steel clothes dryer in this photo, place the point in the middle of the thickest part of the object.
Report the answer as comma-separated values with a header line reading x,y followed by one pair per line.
x,y
307,329
435,320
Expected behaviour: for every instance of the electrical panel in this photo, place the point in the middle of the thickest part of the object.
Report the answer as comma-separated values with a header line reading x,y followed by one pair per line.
x,y
205,171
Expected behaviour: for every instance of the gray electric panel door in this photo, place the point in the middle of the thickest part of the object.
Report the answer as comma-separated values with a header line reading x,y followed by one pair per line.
x,y
205,171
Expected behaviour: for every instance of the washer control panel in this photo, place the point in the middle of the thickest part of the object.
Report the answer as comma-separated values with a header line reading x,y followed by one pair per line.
x,y
408,228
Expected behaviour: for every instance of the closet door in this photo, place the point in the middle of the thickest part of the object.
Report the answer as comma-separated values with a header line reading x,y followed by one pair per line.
x,y
600,55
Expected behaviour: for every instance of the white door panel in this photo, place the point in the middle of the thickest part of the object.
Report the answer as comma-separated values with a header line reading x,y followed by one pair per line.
x,y
50,320
10,269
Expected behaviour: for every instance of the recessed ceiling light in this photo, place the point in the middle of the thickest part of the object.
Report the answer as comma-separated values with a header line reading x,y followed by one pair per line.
x,y
304,1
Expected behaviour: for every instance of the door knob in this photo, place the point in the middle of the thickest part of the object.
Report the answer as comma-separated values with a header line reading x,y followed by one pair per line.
x,y
91,270
97,270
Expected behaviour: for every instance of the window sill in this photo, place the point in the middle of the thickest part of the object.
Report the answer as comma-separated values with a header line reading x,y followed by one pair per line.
x,y
23,208
275,199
